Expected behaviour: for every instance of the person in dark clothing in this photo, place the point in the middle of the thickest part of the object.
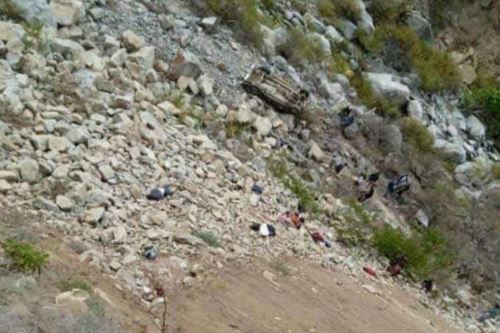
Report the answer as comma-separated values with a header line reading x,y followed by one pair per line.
x,y
427,286
397,265
398,186
363,196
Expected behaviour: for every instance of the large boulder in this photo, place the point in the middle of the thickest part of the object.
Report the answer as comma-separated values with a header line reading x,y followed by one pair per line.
x,y
454,151
67,12
386,86
29,170
365,21
67,47
415,110
347,28
11,31
475,128
31,11
313,23
324,44
333,35
420,25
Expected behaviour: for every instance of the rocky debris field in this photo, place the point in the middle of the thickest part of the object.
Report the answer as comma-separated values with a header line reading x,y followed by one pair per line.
x,y
108,100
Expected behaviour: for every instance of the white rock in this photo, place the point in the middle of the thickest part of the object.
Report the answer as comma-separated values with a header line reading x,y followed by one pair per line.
x,y
93,215
107,173
476,128
169,108
68,47
245,114
32,11
58,143
119,57
4,186
64,203
315,151
208,23
386,86
29,170
422,218
9,175
333,35
11,31
415,109
132,41
74,301
263,126
78,135
145,58
206,85
67,12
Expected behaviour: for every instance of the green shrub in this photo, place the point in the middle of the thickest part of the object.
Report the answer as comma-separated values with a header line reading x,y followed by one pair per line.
x,y
304,194
426,252
368,97
241,14
24,256
208,237
68,285
327,10
417,135
435,69
331,10
487,99
269,4
389,10
301,49
280,266
495,171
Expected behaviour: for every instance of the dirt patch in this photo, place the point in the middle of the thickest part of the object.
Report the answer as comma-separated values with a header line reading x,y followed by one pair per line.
x,y
308,299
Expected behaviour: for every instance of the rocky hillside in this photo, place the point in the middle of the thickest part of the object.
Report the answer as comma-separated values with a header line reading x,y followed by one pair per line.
x,y
103,101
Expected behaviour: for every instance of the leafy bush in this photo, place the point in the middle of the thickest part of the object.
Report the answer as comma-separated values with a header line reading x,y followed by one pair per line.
x,y
334,9
300,49
242,14
327,10
24,256
426,252
417,135
208,237
269,4
436,70
487,99
389,10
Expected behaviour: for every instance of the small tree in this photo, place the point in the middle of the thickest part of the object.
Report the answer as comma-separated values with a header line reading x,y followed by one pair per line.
x,y
24,256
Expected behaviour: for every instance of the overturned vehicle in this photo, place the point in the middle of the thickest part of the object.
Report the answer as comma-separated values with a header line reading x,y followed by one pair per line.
x,y
276,90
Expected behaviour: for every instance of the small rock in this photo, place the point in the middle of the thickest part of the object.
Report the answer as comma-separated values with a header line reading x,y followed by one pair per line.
x,y
187,239
115,265
370,289
263,126
132,41
94,215
74,300
4,186
107,173
64,203
29,170
315,152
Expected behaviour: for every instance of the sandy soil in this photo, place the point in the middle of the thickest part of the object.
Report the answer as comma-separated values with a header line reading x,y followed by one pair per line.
x,y
308,299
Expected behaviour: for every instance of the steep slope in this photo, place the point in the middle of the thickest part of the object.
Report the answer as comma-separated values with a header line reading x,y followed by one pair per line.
x,y
94,116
